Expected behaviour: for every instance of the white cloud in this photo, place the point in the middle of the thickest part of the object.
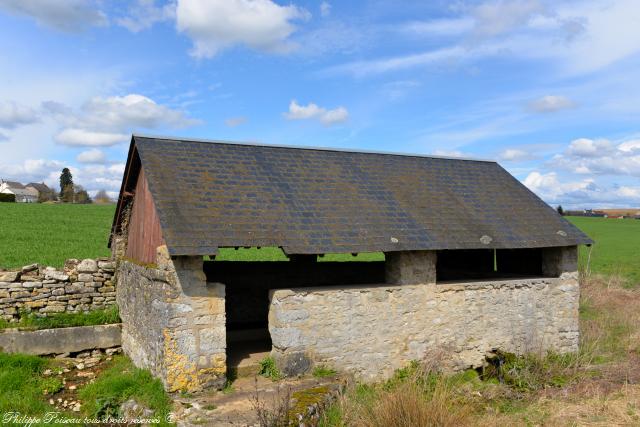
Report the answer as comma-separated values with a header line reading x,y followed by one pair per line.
x,y
584,147
497,17
97,177
577,37
599,157
214,25
551,103
33,170
235,121
516,155
439,27
92,156
143,14
632,146
86,138
63,15
122,112
111,120
325,9
13,115
583,193
378,66
313,111
451,153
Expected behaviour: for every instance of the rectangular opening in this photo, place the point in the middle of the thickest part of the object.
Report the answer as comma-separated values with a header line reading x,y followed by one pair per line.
x,y
247,286
484,264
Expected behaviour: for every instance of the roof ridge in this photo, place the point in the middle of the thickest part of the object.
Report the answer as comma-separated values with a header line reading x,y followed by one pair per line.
x,y
311,148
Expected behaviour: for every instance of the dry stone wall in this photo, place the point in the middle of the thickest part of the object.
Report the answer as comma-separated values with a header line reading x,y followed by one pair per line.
x,y
82,285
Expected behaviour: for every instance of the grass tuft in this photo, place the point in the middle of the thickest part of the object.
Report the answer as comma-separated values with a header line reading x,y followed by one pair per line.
x,y
323,371
268,369
119,383
64,320
22,389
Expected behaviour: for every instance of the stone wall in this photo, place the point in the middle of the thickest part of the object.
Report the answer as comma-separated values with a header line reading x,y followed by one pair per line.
x,y
80,286
372,330
174,321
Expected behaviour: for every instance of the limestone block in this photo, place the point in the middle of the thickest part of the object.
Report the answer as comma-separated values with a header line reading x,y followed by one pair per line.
x,y
85,277
53,309
29,268
87,266
107,265
20,294
9,276
30,285
53,274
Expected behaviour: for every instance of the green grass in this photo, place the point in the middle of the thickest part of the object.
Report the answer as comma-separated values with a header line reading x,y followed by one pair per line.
x,y
617,248
119,383
268,369
22,388
323,371
51,233
64,320
276,254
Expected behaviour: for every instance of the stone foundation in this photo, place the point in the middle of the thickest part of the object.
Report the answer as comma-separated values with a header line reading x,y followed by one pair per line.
x,y
82,285
174,321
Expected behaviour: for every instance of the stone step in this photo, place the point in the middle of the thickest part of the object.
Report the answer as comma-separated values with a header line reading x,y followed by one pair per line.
x,y
243,357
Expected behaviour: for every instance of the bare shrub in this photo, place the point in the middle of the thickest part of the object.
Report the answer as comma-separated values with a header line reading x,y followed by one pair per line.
x,y
275,413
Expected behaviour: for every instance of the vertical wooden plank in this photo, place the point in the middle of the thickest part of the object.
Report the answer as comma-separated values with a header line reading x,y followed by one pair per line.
x,y
145,233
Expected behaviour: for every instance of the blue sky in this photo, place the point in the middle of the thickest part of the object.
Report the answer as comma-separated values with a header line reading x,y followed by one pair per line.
x,y
548,88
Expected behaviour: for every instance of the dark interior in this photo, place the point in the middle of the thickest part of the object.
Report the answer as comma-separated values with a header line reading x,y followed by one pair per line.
x,y
247,286
481,264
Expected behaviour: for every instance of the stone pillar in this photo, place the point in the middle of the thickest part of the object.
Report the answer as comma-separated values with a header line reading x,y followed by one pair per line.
x,y
410,267
560,261
195,339
118,247
174,321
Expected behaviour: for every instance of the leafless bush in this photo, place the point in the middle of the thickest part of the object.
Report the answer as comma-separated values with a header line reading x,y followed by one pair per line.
x,y
277,412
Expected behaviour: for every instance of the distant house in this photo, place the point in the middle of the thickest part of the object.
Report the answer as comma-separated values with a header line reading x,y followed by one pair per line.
x,y
22,193
44,191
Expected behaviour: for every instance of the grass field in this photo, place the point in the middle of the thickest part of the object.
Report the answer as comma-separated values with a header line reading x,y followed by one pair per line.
x,y
617,248
49,234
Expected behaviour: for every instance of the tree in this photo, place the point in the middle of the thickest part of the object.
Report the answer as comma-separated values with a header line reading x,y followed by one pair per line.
x,y
81,195
66,180
67,194
102,197
560,210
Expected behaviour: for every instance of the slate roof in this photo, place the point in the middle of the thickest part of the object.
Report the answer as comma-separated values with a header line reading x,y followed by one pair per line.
x,y
312,201
14,184
40,186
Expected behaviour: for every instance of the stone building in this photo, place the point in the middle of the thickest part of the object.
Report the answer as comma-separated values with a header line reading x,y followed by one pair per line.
x,y
470,261
23,194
